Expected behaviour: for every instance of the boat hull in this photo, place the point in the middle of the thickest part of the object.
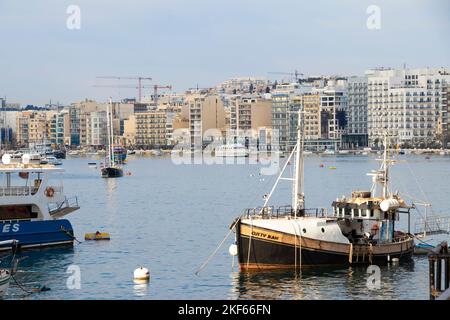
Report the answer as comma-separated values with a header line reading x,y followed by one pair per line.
x,y
35,234
112,172
271,249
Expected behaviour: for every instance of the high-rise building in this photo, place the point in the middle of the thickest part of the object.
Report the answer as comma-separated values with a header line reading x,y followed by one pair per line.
x,y
356,113
405,104
205,112
250,113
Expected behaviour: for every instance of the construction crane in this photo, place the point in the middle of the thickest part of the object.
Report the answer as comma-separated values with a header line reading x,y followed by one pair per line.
x,y
295,74
155,92
139,79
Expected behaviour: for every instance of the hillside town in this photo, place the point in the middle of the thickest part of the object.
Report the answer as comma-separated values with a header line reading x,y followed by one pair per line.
x,y
341,113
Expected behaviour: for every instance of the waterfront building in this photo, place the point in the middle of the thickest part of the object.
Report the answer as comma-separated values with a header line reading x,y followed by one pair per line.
x,y
445,116
59,128
356,113
96,129
405,103
31,127
205,112
150,129
249,113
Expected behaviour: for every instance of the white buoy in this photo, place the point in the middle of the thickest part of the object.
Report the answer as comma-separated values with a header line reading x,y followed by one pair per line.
x,y
141,273
233,250
6,158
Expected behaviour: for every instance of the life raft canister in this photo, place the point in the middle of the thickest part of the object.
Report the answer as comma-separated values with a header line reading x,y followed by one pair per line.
x,y
49,192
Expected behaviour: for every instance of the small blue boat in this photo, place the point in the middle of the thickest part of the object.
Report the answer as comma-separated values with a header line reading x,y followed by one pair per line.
x,y
423,248
32,206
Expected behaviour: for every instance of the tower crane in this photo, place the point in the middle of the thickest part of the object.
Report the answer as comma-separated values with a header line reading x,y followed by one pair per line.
x,y
139,79
295,74
155,92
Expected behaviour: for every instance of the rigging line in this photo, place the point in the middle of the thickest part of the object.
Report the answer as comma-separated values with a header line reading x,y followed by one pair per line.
x,y
279,177
217,249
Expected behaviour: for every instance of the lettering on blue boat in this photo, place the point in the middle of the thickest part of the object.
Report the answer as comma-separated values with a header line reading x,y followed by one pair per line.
x,y
8,227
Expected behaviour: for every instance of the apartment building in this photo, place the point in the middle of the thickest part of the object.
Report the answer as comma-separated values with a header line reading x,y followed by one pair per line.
x,y
31,127
444,128
150,129
96,129
405,104
356,113
205,112
250,113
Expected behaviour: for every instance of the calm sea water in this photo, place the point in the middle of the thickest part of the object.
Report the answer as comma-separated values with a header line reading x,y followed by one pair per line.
x,y
169,218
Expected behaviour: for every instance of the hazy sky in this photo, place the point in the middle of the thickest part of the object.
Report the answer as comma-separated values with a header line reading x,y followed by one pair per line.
x,y
185,43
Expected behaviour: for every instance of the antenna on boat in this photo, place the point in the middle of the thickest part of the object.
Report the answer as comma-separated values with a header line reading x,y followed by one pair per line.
x,y
381,176
298,196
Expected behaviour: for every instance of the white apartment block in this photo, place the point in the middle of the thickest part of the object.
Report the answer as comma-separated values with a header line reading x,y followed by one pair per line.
x,y
405,104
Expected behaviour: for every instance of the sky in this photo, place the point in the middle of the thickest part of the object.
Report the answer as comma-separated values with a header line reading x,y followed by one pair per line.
x,y
204,42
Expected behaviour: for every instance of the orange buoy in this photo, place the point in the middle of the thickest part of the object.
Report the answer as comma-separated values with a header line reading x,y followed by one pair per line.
x,y
321,165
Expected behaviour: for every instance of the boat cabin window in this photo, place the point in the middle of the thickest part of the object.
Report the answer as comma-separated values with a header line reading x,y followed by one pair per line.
x,y
363,213
17,212
16,183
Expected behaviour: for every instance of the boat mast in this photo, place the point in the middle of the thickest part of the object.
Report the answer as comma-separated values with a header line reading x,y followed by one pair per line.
x,y
385,168
110,133
299,197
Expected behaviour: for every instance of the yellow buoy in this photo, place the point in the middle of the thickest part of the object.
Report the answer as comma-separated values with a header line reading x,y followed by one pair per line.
x,y
332,167
97,236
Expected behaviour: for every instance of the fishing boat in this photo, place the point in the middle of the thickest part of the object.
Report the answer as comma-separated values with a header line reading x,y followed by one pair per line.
x,y
231,150
360,230
33,205
111,169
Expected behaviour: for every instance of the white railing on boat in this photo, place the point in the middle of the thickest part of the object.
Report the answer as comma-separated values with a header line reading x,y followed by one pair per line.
x,y
23,191
284,211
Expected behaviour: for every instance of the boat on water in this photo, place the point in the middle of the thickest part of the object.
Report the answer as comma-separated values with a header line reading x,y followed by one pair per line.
x,y
5,274
51,160
360,230
231,150
5,277
120,154
329,152
33,205
111,169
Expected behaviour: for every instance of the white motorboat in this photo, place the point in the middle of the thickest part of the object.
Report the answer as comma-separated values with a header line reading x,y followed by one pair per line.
x,y
231,150
51,160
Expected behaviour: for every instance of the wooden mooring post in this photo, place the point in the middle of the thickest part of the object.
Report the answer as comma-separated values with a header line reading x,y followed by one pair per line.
x,y
439,269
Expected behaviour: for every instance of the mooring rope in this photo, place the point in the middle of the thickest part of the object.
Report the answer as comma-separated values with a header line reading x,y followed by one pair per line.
x,y
70,235
217,248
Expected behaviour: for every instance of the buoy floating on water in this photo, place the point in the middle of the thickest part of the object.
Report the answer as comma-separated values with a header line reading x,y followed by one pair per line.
x,y
141,274
332,167
97,236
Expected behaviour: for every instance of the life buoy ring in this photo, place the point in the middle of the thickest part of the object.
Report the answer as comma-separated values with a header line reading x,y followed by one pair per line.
x,y
49,192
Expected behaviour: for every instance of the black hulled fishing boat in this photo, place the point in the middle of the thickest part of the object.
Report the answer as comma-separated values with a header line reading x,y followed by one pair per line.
x,y
360,230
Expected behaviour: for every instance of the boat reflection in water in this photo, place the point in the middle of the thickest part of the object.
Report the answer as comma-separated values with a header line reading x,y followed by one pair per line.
x,y
322,283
